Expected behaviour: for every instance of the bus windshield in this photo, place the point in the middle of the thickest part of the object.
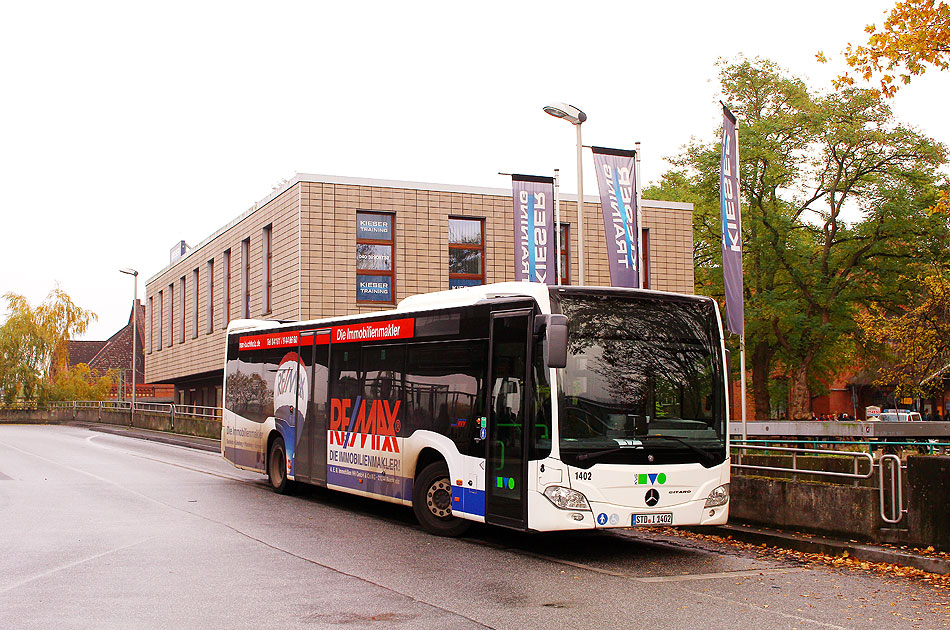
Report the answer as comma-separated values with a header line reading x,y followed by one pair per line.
x,y
643,382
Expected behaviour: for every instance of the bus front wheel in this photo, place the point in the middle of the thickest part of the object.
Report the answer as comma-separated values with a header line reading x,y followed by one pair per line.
x,y
277,466
432,502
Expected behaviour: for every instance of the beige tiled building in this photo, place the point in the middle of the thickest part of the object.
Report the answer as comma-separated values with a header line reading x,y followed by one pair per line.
x,y
294,256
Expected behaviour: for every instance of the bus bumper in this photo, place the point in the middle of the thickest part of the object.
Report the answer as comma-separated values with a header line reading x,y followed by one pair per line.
x,y
607,515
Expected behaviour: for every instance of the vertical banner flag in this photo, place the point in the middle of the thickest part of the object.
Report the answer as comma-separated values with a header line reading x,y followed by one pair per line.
x,y
731,223
534,228
616,180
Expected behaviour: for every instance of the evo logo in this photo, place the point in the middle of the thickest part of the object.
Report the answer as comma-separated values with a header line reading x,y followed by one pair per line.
x,y
649,479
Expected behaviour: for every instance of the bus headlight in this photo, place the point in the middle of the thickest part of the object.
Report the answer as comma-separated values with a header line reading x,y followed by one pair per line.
x,y
565,498
719,496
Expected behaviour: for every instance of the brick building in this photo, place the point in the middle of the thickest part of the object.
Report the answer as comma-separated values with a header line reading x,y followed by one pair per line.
x,y
323,246
115,353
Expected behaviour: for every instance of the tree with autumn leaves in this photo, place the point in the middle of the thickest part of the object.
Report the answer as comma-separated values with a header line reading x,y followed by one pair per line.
x,y
914,37
912,342
835,197
34,360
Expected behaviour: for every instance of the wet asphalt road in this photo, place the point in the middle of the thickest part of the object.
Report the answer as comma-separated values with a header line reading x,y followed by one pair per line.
x,y
106,531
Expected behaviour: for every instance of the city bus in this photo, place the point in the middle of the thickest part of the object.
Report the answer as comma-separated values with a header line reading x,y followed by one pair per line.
x,y
521,405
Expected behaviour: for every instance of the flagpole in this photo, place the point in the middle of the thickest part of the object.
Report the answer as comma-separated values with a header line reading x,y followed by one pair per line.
x,y
639,235
557,225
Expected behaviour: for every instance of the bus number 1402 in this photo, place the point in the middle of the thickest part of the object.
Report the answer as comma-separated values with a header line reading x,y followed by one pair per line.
x,y
583,475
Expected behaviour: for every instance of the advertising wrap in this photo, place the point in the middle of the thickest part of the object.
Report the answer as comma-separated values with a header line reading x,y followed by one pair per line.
x,y
616,180
731,223
533,198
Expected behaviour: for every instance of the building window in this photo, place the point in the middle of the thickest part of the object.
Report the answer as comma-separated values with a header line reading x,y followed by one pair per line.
x,y
171,313
209,279
267,280
645,254
564,256
375,267
194,304
161,317
151,322
226,311
466,252
246,278
181,309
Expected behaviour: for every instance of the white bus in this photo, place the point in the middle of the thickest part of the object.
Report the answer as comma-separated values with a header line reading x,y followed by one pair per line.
x,y
515,404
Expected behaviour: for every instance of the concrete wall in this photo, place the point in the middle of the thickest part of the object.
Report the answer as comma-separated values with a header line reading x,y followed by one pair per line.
x,y
200,427
806,506
844,510
928,501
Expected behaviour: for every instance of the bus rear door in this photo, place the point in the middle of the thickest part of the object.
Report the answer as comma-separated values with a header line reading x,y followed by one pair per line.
x,y
311,449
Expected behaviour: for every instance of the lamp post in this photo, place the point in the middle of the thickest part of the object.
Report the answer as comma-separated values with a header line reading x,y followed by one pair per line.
x,y
135,319
576,117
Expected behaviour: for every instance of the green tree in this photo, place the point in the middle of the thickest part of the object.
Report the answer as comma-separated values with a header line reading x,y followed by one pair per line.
x,y
33,343
915,35
835,193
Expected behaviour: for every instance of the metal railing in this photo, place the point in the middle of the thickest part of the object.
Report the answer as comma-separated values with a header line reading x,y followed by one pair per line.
x,y
795,452
896,504
888,465
173,410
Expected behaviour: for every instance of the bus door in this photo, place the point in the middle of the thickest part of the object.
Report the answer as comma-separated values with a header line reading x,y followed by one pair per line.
x,y
506,465
310,461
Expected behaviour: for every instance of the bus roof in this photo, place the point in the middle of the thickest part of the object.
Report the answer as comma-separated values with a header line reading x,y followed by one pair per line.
x,y
463,296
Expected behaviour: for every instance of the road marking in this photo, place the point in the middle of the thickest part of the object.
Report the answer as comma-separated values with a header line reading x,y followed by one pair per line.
x,y
637,578
197,470
68,565
91,439
714,576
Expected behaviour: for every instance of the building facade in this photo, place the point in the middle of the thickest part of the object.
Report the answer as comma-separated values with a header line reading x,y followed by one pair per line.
x,y
322,246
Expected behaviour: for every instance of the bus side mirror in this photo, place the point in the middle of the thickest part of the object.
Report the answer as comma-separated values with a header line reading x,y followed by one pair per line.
x,y
555,339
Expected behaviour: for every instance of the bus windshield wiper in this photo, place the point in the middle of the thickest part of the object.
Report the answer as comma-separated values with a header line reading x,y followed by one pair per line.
x,y
607,451
706,458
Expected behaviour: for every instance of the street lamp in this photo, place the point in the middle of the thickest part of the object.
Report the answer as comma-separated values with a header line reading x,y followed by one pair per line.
x,y
575,117
135,319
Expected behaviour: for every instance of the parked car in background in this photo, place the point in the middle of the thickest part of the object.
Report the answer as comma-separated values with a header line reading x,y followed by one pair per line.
x,y
893,415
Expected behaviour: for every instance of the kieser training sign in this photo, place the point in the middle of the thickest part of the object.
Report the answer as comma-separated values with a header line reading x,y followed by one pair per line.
x,y
533,198
731,223
616,181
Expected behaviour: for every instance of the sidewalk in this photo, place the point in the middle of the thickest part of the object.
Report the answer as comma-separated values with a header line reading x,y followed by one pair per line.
x,y
816,543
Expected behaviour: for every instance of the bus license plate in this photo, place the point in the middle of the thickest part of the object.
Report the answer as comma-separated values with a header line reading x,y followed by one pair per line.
x,y
663,518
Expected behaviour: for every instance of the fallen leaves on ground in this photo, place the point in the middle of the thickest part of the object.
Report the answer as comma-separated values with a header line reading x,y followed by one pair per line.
x,y
843,561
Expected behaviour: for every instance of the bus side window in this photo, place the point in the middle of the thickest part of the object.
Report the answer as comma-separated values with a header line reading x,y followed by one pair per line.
x,y
346,382
443,389
382,370
250,383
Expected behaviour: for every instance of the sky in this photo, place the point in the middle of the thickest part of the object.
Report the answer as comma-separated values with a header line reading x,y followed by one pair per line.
x,y
126,127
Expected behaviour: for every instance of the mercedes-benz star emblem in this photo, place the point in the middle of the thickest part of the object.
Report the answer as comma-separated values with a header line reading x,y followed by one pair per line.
x,y
653,497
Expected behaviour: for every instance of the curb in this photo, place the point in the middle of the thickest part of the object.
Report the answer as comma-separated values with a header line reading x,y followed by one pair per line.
x,y
187,441
828,546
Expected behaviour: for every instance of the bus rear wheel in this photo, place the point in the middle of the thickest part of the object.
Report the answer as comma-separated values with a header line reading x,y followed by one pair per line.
x,y
277,466
432,502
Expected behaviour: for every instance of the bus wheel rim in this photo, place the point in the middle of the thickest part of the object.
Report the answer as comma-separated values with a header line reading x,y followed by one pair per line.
x,y
439,498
